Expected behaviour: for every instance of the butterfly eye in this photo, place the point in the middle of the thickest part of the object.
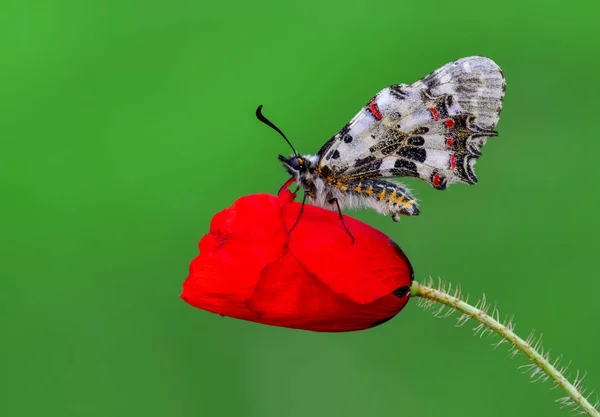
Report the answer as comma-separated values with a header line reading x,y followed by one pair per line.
x,y
296,163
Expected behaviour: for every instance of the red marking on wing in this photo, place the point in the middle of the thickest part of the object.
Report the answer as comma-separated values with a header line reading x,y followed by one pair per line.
x,y
434,113
436,180
449,142
374,110
449,123
452,161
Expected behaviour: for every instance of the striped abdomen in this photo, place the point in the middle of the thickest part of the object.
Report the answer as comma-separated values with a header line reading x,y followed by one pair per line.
x,y
384,196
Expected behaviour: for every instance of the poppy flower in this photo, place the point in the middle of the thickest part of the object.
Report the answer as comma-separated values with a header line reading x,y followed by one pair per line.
x,y
314,277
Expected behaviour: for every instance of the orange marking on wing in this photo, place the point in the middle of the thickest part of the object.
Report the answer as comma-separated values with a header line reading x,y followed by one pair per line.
x,y
399,200
381,195
369,191
358,189
408,204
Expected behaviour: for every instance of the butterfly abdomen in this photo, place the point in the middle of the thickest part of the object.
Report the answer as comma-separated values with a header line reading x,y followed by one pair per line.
x,y
386,197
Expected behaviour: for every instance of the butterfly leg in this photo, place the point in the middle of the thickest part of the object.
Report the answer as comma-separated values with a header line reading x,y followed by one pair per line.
x,y
335,200
287,185
300,214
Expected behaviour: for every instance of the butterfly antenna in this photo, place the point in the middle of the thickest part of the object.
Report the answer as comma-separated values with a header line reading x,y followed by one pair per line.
x,y
268,123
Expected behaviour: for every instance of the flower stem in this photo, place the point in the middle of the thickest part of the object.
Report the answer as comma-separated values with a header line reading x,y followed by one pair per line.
x,y
505,330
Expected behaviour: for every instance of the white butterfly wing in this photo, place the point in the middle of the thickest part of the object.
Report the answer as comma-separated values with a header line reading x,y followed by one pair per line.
x,y
433,129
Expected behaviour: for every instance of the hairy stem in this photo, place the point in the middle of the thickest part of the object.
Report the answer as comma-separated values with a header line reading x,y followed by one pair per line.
x,y
480,313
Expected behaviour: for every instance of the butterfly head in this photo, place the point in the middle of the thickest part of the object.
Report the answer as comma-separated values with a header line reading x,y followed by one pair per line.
x,y
298,165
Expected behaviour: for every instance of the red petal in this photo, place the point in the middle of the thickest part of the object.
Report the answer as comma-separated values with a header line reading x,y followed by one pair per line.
x,y
290,296
251,268
243,239
369,269
254,218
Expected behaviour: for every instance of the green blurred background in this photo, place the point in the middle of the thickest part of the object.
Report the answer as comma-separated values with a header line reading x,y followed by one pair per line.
x,y
125,125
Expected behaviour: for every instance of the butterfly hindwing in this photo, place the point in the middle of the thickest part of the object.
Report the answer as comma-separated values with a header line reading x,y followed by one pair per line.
x,y
476,83
433,129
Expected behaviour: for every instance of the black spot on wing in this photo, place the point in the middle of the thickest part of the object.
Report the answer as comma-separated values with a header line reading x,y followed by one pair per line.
x,y
336,154
413,153
404,168
442,104
398,92
416,140
365,161
431,82
338,136
404,164
326,147
387,150
369,170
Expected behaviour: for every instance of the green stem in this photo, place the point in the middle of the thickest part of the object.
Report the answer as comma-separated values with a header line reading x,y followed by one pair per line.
x,y
541,360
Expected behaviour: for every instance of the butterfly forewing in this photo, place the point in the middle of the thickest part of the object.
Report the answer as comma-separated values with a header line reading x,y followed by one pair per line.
x,y
433,129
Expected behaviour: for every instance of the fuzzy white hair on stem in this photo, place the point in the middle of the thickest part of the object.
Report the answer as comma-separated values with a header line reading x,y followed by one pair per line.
x,y
488,318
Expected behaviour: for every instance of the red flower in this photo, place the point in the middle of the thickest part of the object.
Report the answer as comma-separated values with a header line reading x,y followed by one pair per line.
x,y
313,278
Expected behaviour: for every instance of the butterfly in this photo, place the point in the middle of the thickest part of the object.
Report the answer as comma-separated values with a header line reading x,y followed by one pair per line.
x,y
433,129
